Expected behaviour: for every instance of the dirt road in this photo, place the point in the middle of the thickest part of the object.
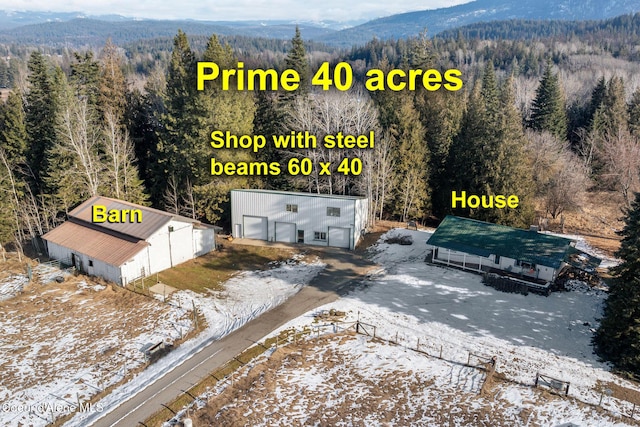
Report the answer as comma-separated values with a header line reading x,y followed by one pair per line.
x,y
344,269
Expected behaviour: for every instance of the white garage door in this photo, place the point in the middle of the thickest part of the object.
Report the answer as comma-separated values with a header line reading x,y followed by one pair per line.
x,y
255,227
285,232
339,237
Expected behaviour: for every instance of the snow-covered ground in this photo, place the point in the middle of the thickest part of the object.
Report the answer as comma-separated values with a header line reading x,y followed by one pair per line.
x,y
50,363
246,296
14,284
348,380
452,310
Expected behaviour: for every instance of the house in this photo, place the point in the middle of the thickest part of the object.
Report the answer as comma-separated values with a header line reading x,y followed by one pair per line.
x,y
314,219
122,241
521,254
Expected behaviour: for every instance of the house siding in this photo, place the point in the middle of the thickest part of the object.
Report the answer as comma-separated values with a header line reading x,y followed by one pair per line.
x,y
506,264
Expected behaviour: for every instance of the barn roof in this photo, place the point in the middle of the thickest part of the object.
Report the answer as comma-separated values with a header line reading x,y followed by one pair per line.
x,y
483,239
152,219
108,246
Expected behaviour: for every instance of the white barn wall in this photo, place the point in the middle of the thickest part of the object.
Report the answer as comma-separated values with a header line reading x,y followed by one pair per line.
x,y
181,242
58,252
136,267
311,216
204,240
99,268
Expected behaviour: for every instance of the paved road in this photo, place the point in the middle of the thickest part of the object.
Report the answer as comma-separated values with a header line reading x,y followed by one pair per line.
x,y
343,270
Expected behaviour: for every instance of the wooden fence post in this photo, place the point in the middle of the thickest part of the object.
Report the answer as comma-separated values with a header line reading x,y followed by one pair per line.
x,y
440,351
418,345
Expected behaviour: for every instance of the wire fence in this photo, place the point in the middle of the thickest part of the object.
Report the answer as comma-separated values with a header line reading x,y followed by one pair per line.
x,y
475,368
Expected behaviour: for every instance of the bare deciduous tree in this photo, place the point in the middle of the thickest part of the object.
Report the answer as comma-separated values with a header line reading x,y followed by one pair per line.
x,y
620,153
561,178
80,140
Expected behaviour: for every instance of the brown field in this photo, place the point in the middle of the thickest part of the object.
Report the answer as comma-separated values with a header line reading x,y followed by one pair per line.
x,y
213,269
271,393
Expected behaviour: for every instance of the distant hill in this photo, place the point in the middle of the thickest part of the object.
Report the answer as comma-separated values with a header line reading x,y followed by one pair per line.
x,y
621,29
94,32
10,19
437,20
75,29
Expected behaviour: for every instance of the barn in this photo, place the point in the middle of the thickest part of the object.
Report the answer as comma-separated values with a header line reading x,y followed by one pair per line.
x,y
537,258
123,249
313,219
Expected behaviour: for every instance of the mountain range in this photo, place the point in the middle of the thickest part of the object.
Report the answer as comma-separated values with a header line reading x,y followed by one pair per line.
x,y
53,28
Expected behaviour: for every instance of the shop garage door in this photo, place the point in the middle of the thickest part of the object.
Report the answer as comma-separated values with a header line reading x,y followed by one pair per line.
x,y
285,232
255,227
339,237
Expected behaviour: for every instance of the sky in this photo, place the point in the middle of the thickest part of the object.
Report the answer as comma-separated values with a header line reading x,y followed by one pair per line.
x,y
233,10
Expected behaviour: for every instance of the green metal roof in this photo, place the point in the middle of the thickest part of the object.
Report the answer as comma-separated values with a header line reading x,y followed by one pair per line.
x,y
483,239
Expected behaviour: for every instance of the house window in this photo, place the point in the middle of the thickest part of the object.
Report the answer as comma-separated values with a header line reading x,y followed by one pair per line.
x,y
319,235
333,211
90,263
526,265
292,208
497,260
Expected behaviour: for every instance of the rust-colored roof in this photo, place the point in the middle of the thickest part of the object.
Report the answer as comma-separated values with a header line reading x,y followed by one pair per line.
x,y
101,245
152,219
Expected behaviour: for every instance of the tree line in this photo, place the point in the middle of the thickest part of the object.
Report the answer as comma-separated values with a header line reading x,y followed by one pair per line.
x,y
77,128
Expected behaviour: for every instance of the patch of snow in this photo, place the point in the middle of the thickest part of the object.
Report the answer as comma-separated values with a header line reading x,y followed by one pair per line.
x,y
245,297
452,311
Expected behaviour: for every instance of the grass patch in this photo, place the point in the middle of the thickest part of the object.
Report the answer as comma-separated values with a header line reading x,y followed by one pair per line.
x,y
209,271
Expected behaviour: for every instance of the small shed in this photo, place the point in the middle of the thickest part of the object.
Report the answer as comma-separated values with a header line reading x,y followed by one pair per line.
x,y
292,217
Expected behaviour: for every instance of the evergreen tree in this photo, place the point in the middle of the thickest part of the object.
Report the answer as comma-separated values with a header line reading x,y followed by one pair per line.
x,y
618,337
40,116
612,113
112,87
85,77
412,163
488,153
13,132
297,60
229,110
13,148
634,113
268,121
179,119
597,96
548,111
610,121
